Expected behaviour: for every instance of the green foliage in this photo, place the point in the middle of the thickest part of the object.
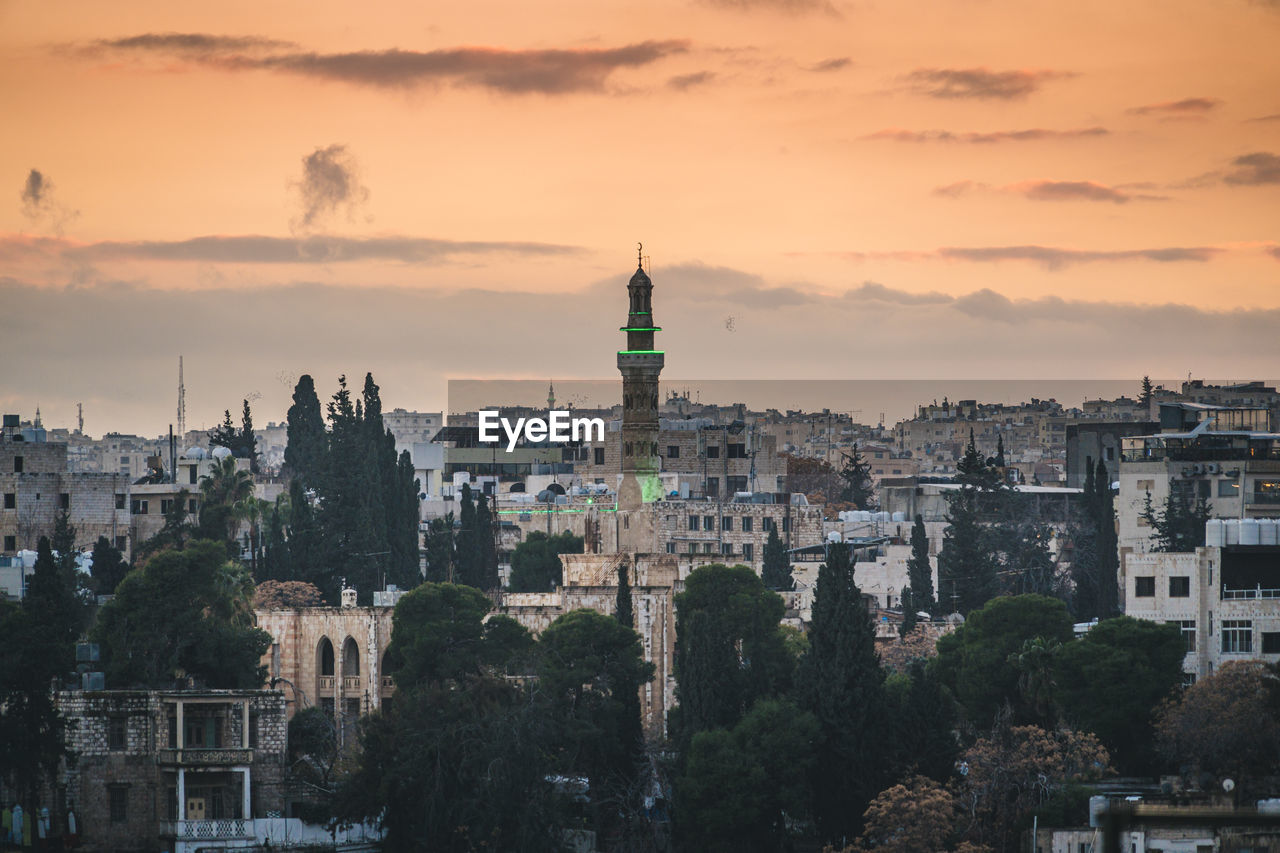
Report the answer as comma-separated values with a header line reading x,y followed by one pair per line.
x,y
856,485
624,608
31,654
440,551
1111,680
1095,564
1178,526
223,492
535,563
438,635
739,785
730,650
109,566
842,684
185,612
313,746
922,714
967,564
242,442
486,545
776,572
591,666
307,440
918,594
974,661
466,557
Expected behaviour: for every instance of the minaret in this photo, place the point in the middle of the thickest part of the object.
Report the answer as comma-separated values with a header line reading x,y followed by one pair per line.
x,y
551,395
640,364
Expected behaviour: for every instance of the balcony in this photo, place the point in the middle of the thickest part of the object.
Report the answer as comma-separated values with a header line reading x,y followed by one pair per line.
x,y
210,830
204,757
1247,594
325,682
388,682
350,682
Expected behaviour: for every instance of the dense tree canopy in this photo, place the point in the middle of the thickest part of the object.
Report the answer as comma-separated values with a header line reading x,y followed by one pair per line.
x,y
535,563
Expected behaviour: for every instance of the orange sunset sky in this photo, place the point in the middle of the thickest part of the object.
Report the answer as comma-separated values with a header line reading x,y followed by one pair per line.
x,y
872,189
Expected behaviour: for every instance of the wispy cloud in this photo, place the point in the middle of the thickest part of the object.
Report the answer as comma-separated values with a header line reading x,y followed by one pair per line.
x,y
979,83
509,71
960,189
874,291
257,249
330,184
1256,169
1272,117
1034,134
833,64
791,7
1078,191
40,206
1057,258
684,82
1185,108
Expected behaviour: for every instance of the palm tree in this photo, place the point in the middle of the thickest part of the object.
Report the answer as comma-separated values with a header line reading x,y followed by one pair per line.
x,y
222,489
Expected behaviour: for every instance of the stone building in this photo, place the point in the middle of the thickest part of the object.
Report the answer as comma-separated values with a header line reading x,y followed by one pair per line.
x,y
159,769
331,657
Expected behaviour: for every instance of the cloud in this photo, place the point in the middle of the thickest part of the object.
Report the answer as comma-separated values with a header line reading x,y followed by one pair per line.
x,y
1272,117
874,291
1256,169
684,82
256,249
1057,258
959,189
794,7
330,184
1077,191
1034,134
1185,108
514,72
834,64
1274,252
39,204
979,83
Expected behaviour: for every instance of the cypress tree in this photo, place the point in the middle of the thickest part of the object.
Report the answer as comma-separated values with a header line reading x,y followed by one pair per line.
x,y
843,686
966,563
486,546
623,608
307,440
1000,451
108,567
248,439
919,571
631,724
858,488
1108,556
776,572
466,572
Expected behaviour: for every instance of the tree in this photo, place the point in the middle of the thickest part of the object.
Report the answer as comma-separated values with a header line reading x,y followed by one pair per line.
x,y
535,563
967,564
108,567
286,595
842,685
307,441
30,725
438,635
242,442
467,570
856,485
974,661
591,666
53,604
739,785
809,476
730,649
185,613
776,572
1018,768
624,608
486,545
1224,725
439,548
974,470
919,592
1178,525
1111,681
223,491
1147,392
922,715
1095,562
910,817
999,460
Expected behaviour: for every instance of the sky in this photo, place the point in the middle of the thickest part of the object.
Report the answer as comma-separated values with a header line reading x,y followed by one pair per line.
x,y
869,189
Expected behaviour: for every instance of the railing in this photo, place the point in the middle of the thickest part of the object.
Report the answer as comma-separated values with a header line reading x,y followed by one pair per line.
x,y
350,682
388,682
211,829
202,755
1256,592
1269,498
325,682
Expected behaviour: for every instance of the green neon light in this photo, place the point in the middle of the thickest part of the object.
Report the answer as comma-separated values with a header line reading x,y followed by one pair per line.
x,y
641,352
639,328
546,511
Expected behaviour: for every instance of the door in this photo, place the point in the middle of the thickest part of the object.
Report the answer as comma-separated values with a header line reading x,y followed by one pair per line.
x,y
195,808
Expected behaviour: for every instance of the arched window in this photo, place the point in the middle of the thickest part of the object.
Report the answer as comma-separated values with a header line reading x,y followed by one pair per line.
x,y
350,657
324,657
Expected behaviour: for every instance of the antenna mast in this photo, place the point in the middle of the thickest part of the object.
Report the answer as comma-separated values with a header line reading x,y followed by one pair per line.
x,y
182,402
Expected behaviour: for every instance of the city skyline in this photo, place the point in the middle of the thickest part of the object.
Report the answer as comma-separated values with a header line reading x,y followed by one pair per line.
x,y
869,190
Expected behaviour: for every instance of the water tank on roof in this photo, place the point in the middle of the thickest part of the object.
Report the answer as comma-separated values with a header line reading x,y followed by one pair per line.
x,y
1249,532
899,516
834,536
195,453
1269,531
1231,531
1214,533
221,452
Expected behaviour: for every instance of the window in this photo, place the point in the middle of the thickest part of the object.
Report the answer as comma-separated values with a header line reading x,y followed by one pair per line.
x,y
673,451
17,464
706,547
726,549
726,522
746,524
139,507
713,487
1271,643
599,455
693,522
119,797
124,460
122,543
693,547
191,506
120,501
64,500
1188,627
1144,587
10,500
117,734
747,551
786,524
766,524
671,547
1228,489
1180,587
166,506
1237,636
191,474
708,522
737,451
736,484
713,451
1266,491
11,543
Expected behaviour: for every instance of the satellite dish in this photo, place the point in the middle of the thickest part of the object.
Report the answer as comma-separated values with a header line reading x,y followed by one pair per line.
x,y
1228,785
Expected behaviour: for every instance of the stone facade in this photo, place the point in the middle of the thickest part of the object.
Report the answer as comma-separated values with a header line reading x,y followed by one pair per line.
x,y
143,759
